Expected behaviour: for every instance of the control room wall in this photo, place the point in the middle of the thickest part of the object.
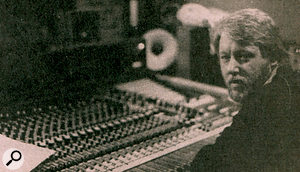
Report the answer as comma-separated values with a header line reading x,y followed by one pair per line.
x,y
285,12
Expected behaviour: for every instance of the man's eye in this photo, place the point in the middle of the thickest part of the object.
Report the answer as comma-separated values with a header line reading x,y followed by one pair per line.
x,y
244,59
224,57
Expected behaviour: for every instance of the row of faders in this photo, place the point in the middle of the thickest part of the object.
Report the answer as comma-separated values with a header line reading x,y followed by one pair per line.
x,y
202,118
87,130
114,132
192,125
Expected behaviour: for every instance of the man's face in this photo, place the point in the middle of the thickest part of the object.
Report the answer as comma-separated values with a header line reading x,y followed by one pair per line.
x,y
242,66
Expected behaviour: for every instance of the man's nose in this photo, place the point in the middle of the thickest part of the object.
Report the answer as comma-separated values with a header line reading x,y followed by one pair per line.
x,y
233,66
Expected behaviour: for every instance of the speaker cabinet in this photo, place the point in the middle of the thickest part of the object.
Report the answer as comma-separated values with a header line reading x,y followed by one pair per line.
x,y
85,26
157,14
90,24
194,60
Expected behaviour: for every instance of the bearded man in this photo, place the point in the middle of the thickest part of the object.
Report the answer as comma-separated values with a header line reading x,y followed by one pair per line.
x,y
264,135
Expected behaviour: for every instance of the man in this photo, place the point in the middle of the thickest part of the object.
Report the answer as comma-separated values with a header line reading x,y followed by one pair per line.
x,y
264,135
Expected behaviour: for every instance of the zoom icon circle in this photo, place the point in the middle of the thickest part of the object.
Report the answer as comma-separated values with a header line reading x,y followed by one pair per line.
x,y
13,159
19,156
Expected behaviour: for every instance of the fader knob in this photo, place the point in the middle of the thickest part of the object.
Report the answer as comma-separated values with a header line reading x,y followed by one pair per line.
x,y
66,138
58,140
116,123
50,142
141,115
135,117
123,121
129,119
110,125
188,123
74,135
42,144
89,131
82,133
96,129
103,127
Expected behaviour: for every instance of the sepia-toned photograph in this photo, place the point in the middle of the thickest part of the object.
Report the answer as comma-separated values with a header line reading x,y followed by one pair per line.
x,y
150,86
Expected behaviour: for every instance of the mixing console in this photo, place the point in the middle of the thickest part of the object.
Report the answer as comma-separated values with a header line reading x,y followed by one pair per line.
x,y
117,131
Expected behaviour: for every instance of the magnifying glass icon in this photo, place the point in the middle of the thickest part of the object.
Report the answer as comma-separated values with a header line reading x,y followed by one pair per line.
x,y
15,156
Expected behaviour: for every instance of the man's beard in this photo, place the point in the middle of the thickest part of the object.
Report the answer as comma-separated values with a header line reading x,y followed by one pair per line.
x,y
238,88
238,96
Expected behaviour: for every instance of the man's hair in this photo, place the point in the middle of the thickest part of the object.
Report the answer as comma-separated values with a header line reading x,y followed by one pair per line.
x,y
251,26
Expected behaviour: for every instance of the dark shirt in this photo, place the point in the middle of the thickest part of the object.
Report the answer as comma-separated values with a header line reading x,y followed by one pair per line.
x,y
264,135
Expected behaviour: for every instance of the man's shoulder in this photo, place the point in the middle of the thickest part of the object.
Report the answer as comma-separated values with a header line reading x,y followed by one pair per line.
x,y
291,82
291,76
285,85
282,97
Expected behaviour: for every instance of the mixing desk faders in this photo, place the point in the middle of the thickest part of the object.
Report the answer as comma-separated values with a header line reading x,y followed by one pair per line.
x,y
117,131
